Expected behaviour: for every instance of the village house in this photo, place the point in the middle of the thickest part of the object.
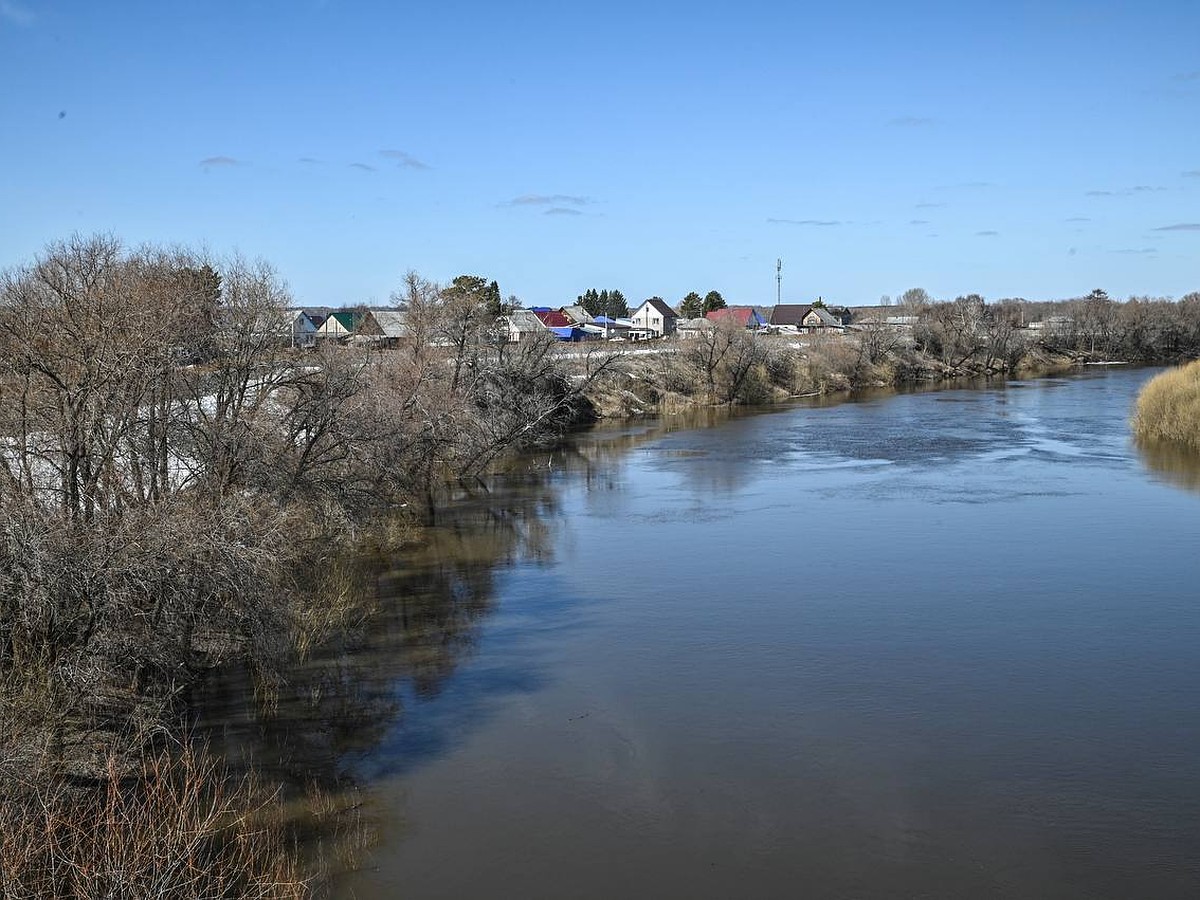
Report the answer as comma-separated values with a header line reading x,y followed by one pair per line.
x,y
654,318
561,326
299,329
689,329
382,328
522,324
745,316
338,326
821,319
573,333
612,329
551,318
789,315
577,314
808,318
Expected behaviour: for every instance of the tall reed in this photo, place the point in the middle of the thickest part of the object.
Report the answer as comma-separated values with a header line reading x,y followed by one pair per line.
x,y
179,828
1168,408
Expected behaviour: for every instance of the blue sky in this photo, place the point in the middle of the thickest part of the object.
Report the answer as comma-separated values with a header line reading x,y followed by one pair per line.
x,y
1010,149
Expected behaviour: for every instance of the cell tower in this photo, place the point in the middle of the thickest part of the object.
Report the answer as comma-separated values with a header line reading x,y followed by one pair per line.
x,y
778,281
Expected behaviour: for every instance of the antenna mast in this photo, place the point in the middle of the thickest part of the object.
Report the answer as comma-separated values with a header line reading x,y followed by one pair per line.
x,y
778,281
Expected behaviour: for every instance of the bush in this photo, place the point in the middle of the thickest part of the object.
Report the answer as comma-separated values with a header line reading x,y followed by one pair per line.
x,y
1168,408
180,829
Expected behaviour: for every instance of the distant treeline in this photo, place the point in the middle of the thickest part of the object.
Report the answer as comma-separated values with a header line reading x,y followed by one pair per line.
x,y
1142,329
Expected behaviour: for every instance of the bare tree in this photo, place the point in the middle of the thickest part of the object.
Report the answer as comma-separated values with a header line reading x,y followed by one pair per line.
x,y
725,355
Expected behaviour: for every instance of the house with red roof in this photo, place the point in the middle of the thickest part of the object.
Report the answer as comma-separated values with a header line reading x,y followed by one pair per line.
x,y
745,316
552,318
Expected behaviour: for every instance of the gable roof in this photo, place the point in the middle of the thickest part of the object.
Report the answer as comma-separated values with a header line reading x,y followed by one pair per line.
x,y
576,313
553,319
790,313
298,318
524,320
743,315
826,317
660,307
338,323
388,322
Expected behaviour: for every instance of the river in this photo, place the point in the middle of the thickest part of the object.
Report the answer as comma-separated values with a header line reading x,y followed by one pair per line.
x,y
940,644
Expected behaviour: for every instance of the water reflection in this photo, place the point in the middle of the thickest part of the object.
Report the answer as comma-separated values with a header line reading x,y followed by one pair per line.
x,y
364,705
1171,463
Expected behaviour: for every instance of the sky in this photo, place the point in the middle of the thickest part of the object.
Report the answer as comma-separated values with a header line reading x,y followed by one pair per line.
x,y
1012,149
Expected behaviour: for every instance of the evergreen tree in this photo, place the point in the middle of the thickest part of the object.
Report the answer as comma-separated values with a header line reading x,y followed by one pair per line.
x,y
713,300
472,291
692,306
590,300
493,301
618,306
604,303
696,307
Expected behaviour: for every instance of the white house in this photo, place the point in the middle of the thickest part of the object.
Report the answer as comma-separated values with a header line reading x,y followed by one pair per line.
x,y
339,325
656,317
522,324
299,329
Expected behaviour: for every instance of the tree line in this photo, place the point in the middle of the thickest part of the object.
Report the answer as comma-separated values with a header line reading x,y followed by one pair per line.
x,y
1139,329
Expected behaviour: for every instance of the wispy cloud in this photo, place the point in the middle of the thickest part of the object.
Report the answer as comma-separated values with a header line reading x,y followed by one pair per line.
x,y
1182,226
1192,173
1187,76
218,162
1127,192
929,206
16,13
362,167
1077,219
911,122
547,200
1131,252
404,160
562,211
310,161
918,221
986,233
822,223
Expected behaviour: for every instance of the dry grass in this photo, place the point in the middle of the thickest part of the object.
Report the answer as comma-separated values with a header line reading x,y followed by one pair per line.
x,y
1168,408
180,830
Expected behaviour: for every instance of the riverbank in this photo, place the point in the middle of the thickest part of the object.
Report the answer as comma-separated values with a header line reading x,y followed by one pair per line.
x,y
1168,408
738,369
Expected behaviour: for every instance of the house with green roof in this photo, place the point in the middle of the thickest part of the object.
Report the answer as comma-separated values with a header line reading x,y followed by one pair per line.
x,y
339,326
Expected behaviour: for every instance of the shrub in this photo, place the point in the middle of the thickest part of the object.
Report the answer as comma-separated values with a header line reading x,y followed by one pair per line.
x,y
181,829
1168,408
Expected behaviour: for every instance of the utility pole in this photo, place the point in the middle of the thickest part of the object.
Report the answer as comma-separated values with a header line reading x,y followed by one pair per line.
x,y
778,281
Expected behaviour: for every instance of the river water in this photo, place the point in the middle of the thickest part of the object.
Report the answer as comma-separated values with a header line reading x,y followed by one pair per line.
x,y
940,644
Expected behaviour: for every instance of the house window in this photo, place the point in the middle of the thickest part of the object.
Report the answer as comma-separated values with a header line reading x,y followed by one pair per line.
x,y
654,321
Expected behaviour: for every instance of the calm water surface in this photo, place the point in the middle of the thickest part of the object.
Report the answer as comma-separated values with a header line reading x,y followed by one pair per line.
x,y
929,645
